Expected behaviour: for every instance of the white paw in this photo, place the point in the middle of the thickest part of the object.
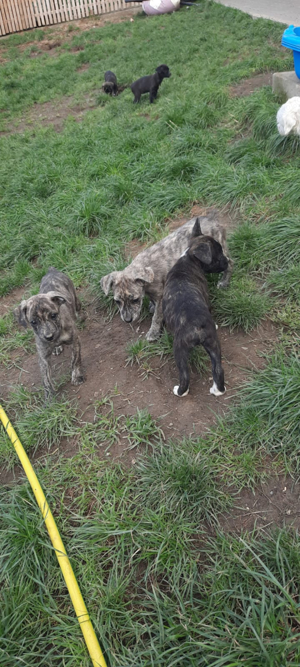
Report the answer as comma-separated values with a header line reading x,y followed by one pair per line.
x,y
175,391
216,327
58,350
222,284
152,335
77,378
215,391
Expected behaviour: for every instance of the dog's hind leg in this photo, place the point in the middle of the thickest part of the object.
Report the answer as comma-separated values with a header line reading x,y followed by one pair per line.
x,y
213,348
77,374
181,355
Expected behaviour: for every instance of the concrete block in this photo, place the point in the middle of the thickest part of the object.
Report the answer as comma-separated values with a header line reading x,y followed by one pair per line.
x,y
286,84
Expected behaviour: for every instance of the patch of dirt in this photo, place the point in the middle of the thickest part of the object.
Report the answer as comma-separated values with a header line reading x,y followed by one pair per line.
x,y
275,503
56,112
9,301
94,22
108,373
74,49
247,86
83,67
52,113
48,46
66,31
44,46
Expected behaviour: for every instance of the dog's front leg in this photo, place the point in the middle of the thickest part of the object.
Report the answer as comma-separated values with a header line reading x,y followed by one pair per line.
x,y
152,95
225,280
77,374
157,322
44,357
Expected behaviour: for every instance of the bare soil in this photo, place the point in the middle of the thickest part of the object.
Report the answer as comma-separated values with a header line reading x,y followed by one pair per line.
x,y
247,86
274,503
66,31
9,301
53,113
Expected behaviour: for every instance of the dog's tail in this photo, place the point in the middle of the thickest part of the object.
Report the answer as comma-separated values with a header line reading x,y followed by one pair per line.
x,y
181,355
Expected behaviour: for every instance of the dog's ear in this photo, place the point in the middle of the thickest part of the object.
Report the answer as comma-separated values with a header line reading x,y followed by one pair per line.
x,y
20,314
203,252
58,298
197,229
107,282
145,275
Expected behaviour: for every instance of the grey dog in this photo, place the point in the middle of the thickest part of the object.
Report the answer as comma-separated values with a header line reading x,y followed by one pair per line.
x,y
147,273
52,316
186,308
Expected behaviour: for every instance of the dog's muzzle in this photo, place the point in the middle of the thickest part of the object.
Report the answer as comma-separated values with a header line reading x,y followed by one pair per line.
x,y
127,317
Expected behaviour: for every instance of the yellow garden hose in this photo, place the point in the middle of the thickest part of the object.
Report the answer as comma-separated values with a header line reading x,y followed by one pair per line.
x,y
66,567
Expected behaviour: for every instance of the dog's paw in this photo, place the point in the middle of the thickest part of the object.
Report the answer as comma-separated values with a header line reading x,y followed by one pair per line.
x,y
175,391
152,335
77,379
222,284
216,325
215,391
57,350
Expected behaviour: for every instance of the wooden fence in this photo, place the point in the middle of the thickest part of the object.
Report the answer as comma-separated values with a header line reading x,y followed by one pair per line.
x,y
16,15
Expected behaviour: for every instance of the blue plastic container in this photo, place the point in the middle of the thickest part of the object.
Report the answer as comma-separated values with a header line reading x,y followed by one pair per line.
x,y
291,40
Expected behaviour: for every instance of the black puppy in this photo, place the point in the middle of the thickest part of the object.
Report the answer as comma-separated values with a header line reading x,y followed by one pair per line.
x,y
110,85
150,84
186,308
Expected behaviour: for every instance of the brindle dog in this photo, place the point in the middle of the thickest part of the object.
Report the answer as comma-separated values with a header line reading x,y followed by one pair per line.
x,y
186,308
110,85
52,316
147,273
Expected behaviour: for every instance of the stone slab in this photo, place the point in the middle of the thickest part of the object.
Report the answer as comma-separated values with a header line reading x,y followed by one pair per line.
x,y
283,11
286,84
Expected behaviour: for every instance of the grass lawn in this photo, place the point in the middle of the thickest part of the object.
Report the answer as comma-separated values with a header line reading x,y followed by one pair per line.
x,y
164,581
